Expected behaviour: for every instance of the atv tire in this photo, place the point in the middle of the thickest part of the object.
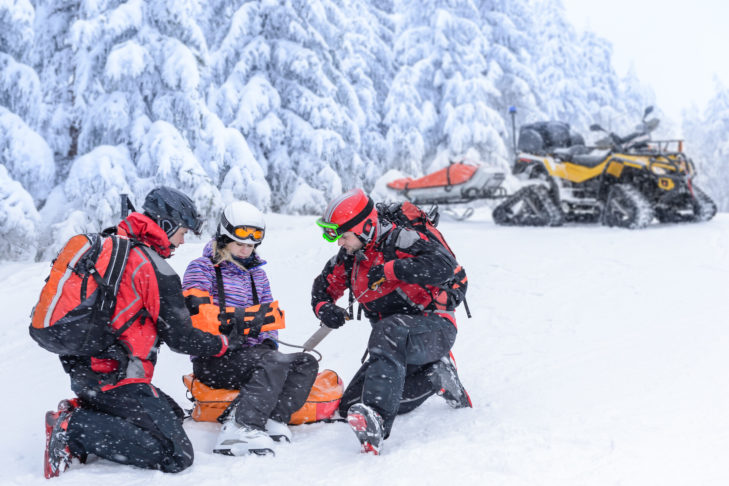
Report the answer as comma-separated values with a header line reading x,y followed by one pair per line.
x,y
687,209
704,207
626,207
529,206
671,215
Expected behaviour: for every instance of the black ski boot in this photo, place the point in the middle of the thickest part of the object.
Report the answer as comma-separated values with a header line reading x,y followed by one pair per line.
x,y
444,377
367,425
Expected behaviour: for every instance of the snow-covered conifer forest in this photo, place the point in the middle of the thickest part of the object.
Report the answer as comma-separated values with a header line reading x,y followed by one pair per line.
x,y
285,103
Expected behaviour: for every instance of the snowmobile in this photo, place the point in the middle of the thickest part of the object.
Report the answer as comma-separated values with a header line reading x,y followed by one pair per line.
x,y
457,183
621,181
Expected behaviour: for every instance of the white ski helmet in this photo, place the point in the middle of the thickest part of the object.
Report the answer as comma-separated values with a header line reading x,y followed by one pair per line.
x,y
242,222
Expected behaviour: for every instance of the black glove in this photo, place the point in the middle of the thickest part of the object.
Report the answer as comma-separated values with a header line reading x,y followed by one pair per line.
x,y
231,324
376,276
332,316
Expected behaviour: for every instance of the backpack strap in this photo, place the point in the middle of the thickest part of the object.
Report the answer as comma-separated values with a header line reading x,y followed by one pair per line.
x,y
221,288
348,266
119,257
254,292
110,282
112,278
388,246
140,313
225,327
255,329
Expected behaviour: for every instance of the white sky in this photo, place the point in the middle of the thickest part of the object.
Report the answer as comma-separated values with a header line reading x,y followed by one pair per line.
x,y
677,47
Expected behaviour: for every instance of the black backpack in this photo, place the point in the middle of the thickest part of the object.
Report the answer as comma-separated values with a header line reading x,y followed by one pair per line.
x,y
408,215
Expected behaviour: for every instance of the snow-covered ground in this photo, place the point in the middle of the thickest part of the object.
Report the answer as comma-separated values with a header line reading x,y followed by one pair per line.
x,y
594,356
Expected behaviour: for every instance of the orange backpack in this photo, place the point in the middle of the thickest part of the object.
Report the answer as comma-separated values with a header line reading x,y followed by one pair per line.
x,y
73,313
322,402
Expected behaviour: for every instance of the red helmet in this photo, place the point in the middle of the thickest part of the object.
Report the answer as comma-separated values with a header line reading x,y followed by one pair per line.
x,y
352,211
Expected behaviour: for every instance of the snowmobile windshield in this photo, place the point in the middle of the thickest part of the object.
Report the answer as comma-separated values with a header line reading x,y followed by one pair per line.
x,y
331,230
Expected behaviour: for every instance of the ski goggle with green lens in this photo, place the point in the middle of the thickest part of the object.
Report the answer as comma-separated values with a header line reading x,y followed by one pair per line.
x,y
331,230
334,231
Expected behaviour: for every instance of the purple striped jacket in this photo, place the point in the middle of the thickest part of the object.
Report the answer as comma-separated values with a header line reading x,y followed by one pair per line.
x,y
200,274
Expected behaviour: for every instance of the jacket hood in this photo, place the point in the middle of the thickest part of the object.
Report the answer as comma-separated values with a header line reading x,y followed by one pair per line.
x,y
141,228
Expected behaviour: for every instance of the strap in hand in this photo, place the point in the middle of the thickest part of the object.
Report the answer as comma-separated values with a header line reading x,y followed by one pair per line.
x,y
225,325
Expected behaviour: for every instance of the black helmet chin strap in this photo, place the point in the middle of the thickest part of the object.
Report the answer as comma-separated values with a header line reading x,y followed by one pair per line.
x,y
168,226
368,232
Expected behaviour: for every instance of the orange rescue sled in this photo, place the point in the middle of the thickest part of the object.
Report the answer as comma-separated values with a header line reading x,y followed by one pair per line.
x,y
322,402
457,183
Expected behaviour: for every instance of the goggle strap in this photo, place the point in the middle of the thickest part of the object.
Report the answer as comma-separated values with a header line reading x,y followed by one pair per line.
x,y
358,218
226,224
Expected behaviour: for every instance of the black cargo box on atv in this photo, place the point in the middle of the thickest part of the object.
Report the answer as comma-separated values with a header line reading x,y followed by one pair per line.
x,y
541,137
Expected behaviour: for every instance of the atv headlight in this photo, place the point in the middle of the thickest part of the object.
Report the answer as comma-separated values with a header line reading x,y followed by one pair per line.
x,y
659,170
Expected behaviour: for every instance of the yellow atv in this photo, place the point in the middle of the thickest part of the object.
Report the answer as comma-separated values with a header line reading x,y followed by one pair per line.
x,y
622,181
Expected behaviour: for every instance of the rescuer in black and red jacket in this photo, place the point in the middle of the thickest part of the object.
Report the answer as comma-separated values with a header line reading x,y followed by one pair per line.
x,y
397,279
119,415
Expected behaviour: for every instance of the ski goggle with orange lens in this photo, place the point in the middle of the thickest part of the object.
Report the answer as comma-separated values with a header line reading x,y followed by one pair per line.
x,y
331,230
243,231
246,232
249,232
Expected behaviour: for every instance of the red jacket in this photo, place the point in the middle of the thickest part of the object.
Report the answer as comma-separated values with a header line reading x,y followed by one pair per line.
x,y
414,267
151,308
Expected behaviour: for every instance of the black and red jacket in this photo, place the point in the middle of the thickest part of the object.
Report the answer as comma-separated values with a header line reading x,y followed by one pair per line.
x,y
415,268
151,307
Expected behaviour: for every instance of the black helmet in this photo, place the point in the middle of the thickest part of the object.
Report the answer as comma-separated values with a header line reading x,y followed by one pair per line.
x,y
171,209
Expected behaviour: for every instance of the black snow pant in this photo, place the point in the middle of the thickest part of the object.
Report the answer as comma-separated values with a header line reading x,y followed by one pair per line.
x,y
272,384
395,378
135,424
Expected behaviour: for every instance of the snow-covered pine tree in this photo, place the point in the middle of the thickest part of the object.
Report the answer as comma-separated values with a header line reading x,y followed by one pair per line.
x,y
440,103
284,103
53,59
466,80
600,84
635,96
707,144
615,103
508,25
366,61
89,198
559,65
23,152
280,82
410,110
18,220
27,169
19,84
138,68
26,155
238,88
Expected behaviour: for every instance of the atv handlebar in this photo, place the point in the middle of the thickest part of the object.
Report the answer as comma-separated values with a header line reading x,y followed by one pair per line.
x,y
618,143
